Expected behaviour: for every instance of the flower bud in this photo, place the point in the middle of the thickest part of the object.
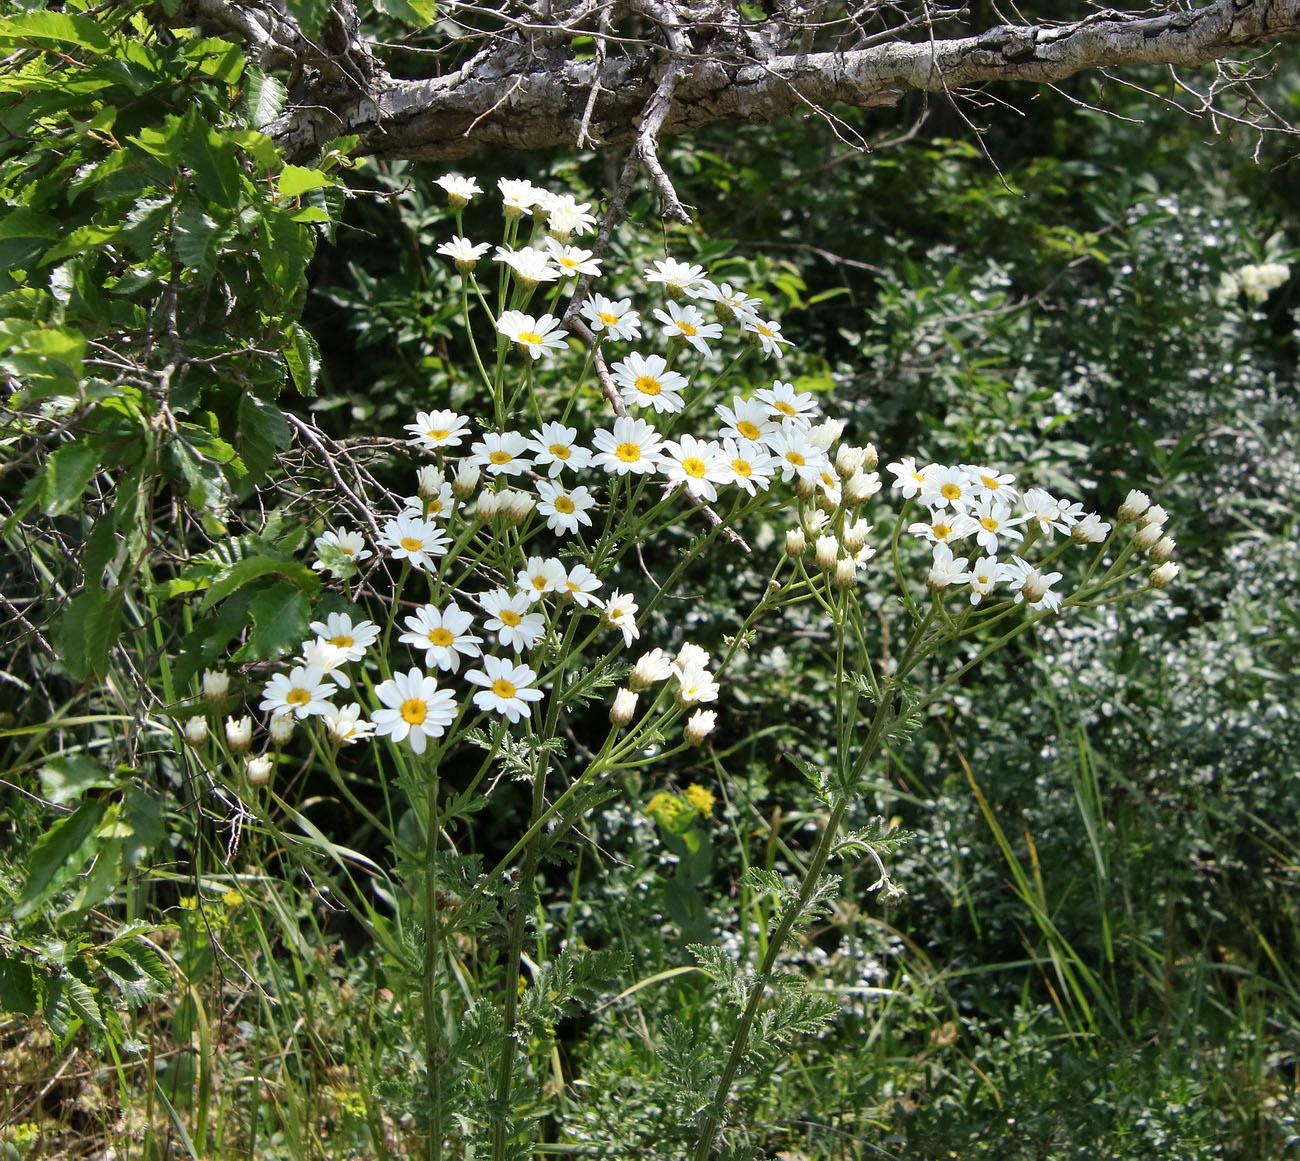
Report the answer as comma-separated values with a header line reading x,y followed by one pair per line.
x,y
239,734
814,520
1090,530
699,726
466,481
1154,515
623,710
431,480
825,433
848,459
215,684
1147,536
691,654
825,551
805,489
796,542
258,770
488,506
1162,550
855,534
515,506
870,458
1163,576
846,573
280,728
196,731
1134,505
650,668
860,487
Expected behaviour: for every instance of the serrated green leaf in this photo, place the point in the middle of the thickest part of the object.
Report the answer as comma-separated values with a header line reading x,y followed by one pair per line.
x,y
58,27
66,474
67,777
264,97
24,236
262,431
18,991
60,854
254,567
280,623
195,237
295,180
302,356
88,629
80,997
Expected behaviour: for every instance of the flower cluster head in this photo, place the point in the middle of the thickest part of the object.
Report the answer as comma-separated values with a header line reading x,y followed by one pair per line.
x,y
1257,282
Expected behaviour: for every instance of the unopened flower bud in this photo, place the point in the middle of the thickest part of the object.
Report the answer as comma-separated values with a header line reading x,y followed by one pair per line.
x,y
1134,505
870,458
1147,536
515,506
487,507
196,731
1163,576
239,734
466,481
848,459
813,521
215,684
796,542
280,728
1154,515
846,573
623,710
825,433
691,654
1162,550
699,726
825,552
650,668
431,481
805,489
258,770
1090,530
855,534
860,487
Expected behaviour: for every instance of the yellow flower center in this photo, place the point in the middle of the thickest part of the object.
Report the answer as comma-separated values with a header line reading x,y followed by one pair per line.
x,y
568,263
440,637
500,457
694,466
561,451
828,481
435,508
784,408
686,329
648,385
346,551
748,430
793,457
414,711
438,433
502,688
942,531
297,697
563,504
990,482
629,453
573,586
609,320
539,583
342,642
989,524
509,617
950,492
411,544
532,338
766,332
742,468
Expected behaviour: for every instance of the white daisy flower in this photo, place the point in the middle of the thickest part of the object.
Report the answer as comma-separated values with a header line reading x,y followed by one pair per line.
x,y
572,261
564,508
686,324
528,264
1032,586
983,577
995,522
459,189
438,505
580,586
443,634
556,449
946,569
751,465
796,456
676,276
699,726
747,419
697,464
501,453
946,487
541,576
329,659
695,684
1050,514
728,303
943,527
436,430
345,725
990,481
1090,529
507,687
620,613
650,669
533,335
632,446
303,691
615,318
416,709
338,629
418,541
785,403
518,197
565,215
514,625
908,478
645,381
351,544
691,654
766,335
463,252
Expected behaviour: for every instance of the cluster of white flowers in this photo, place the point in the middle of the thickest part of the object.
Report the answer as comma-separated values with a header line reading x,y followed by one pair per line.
x,y
1258,282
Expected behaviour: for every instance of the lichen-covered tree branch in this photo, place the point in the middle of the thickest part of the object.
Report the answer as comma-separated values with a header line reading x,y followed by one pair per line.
x,y
522,77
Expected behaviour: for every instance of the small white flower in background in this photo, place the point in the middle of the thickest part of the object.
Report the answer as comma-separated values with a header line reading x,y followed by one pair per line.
x,y
418,541
615,318
1258,282
507,687
620,613
436,430
351,544
502,453
302,692
855,534
699,726
748,419
258,770
691,654
459,189
651,668
823,434
796,457
1047,512
785,403
216,683
728,303
645,381
556,450
695,684
338,629
415,709
1031,585
943,527
196,730
685,323
463,252
766,335
345,725
947,487
329,659
541,576
989,481
945,570
995,523
676,277
239,734
466,482
908,478
751,465
518,197
1163,577
565,509
623,710
580,586
632,446
280,729
572,261
1135,503
1090,530
529,265
510,620
534,335
699,465
565,215
983,577
443,634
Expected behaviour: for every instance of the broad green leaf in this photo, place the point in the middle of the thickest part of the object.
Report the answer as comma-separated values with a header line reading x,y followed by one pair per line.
x,y
303,358
212,158
66,474
67,777
295,180
59,855
17,986
223,59
24,236
262,431
58,27
310,14
254,567
195,238
416,13
263,97
280,623
88,629
81,998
